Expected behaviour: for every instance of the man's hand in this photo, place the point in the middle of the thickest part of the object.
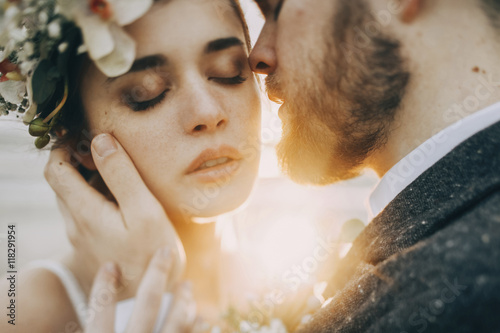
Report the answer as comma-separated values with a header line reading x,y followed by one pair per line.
x,y
127,231
101,312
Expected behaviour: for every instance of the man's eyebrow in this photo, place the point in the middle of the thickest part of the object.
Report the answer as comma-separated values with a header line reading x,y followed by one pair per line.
x,y
222,44
143,64
264,6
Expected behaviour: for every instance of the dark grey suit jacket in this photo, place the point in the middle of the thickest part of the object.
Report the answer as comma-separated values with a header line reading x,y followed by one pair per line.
x,y
430,262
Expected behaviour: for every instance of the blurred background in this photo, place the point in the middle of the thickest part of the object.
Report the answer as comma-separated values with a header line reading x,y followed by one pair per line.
x,y
278,226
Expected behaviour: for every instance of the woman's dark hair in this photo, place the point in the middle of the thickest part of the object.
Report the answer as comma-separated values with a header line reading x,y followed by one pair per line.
x,y
492,9
72,128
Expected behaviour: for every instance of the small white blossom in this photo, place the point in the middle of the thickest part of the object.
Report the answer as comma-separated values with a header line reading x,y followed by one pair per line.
x,y
62,47
13,91
43,17
29,10
27,67
11,12
275,326
306,319
54,29
81,49
29,48
17,35
216,329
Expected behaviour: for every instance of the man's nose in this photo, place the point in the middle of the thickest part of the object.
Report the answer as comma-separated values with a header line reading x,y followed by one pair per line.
x,y
263,58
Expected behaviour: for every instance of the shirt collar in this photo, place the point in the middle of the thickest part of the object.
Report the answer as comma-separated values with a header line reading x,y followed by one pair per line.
x,y
427,154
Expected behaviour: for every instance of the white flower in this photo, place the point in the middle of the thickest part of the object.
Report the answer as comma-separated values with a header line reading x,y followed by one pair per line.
x,y
29,48
10,33
216,329
63,47
26,51
18,34
13,91
27,67
31,111
81,49
112,50
275,326
12,12
54,29
43,17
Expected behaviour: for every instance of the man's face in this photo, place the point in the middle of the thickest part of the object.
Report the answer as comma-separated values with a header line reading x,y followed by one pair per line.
x,y
340,86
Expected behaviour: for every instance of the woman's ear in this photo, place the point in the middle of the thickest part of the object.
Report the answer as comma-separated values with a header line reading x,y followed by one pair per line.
x,y
81,156
411,9
87,161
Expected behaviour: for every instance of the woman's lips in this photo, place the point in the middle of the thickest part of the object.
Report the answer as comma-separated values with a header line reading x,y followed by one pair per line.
x,y
214,165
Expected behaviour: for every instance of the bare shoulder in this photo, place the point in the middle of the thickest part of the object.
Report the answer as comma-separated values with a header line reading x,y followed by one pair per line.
x,y
41,303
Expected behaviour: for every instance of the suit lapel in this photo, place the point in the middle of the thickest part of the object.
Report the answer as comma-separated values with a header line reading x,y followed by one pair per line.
x,y
445,191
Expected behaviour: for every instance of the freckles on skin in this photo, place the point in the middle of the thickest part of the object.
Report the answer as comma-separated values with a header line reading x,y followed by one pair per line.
x,y
156,138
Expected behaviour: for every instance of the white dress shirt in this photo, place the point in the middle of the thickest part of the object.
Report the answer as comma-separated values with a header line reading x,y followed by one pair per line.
x,y
426,155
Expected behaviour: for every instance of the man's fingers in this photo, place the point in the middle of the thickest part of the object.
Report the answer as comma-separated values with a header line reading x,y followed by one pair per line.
x,y
122,178
182,313
150,292
72,188
103,298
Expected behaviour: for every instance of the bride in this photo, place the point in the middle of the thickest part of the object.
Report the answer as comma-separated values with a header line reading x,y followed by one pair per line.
x,y
165,94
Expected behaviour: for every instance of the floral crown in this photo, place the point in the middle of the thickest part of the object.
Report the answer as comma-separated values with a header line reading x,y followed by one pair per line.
x,y
39,39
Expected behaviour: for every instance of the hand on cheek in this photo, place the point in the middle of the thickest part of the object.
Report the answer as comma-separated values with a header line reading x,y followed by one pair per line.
x,y
126,231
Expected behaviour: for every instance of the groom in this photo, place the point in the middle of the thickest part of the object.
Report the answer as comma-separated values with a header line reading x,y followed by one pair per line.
x,y
410,89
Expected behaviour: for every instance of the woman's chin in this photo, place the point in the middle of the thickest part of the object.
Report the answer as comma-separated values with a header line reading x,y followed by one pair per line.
x,y
207,207
220,206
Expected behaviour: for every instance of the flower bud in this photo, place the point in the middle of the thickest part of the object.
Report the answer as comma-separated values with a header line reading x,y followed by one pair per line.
x,y
38,127
14,76
42,141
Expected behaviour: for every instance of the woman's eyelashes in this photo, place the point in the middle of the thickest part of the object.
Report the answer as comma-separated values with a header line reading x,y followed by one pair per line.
x,y
144,105
134,101
238,79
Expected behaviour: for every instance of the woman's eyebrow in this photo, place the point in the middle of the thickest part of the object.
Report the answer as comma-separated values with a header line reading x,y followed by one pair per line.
x,y
222,44
142,64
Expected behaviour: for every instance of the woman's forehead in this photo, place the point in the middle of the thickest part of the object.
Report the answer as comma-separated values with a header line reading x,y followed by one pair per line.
x,y
174,23
222,8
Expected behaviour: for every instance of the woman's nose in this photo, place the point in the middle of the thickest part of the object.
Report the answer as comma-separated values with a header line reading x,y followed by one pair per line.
x,y
263,57
206,116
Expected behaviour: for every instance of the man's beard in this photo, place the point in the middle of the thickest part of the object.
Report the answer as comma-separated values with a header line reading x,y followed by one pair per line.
x,y
339,108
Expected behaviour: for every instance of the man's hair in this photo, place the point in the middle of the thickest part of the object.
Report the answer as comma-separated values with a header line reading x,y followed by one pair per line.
x,y
492,10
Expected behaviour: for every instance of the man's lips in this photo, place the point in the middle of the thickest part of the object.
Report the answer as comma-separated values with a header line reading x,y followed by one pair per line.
x,y
212,158
275,98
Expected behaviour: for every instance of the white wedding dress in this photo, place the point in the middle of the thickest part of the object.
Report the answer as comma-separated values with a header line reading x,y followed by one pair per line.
x,y
80,304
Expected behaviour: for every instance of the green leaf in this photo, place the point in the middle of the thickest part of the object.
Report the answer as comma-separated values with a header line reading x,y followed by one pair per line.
x,y
53,74
44,82
73,39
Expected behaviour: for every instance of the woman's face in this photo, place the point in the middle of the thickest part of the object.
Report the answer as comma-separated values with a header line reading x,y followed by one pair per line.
x,y
188,113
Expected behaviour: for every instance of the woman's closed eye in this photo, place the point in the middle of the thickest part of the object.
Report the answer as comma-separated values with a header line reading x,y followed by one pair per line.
x,y
238,79
143,105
